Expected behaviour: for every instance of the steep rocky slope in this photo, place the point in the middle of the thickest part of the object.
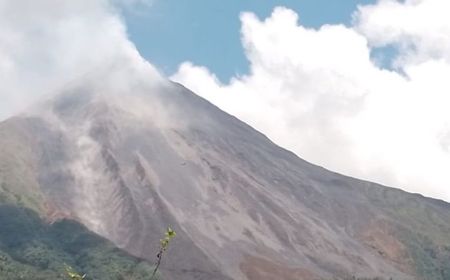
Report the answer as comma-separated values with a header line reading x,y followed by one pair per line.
x,y
127,162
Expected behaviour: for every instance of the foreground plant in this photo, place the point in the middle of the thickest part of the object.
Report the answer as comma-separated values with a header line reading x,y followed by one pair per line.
x,y
73,274
164,244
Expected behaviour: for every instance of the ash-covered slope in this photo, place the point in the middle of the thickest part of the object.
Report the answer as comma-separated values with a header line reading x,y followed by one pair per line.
x,y
128,161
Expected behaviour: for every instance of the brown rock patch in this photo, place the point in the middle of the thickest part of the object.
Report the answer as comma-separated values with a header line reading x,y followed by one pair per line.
x,y
256,268
380,237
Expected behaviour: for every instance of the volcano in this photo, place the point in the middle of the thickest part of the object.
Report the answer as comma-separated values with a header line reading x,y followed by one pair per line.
x,y
129,160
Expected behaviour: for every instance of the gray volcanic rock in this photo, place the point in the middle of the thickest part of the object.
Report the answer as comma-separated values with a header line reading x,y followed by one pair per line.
x,y
129,161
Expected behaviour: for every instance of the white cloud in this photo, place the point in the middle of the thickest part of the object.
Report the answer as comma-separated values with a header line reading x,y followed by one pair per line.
x,y
46,44
420,28
318,93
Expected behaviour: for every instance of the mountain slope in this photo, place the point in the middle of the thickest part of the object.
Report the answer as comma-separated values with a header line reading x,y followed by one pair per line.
x,y
129,161
32,249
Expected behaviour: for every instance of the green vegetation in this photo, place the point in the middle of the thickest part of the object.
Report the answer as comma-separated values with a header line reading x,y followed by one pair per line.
x,y
164,244
15,196
431,261
30,249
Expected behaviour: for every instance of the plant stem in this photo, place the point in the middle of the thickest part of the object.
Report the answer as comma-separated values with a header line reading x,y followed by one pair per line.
x,y
158,262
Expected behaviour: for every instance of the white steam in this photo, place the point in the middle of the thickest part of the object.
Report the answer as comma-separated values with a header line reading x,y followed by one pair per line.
x,y
44,45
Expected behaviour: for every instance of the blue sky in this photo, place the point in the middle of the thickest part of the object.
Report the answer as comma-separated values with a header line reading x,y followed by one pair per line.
x,y
207,32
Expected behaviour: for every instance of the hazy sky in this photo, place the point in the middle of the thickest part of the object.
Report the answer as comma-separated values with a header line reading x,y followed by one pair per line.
x,y
360,90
